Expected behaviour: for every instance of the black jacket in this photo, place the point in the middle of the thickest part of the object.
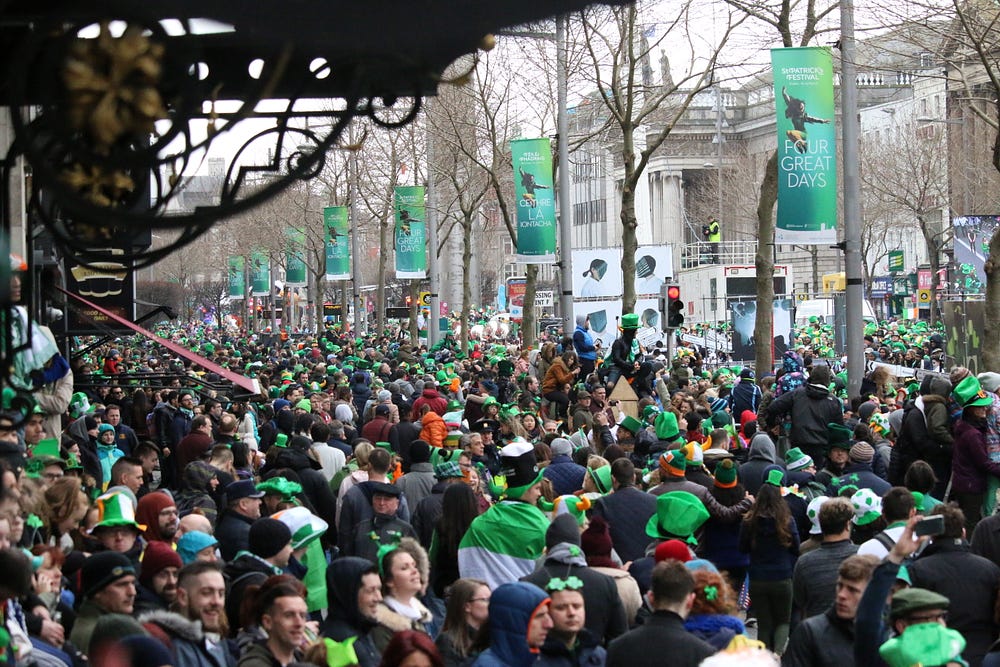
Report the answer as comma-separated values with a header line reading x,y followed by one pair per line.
x,y
821,641
811,408
661,640
627,512
240,573
233,533
314,485
345,620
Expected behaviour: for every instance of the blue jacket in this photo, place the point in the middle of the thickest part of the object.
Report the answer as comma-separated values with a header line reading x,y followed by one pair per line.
x,y
511,608
583,343
769,559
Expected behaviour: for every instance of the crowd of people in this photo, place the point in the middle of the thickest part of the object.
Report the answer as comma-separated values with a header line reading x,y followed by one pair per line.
x,y
380,503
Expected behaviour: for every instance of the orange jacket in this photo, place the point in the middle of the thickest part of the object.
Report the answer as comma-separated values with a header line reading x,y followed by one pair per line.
x,y
433,430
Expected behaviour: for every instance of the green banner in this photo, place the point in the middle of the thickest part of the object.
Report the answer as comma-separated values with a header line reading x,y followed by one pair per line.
x,y
536,201
338,246
260,273
896,261
411,233
295,263
807,160
237,288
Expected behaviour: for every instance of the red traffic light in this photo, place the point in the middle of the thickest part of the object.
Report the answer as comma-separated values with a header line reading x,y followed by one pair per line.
x,y
673,292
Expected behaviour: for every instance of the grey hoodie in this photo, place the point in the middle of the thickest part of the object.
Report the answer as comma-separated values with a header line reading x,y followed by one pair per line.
x,y
762,455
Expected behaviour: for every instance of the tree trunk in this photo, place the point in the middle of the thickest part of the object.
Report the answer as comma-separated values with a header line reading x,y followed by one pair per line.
x,y
466,277
345,306
630,239
764,326
990,351
528,319
380,280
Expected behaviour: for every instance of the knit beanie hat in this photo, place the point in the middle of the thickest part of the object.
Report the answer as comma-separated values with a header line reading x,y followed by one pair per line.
x,y
420,452
103,569
105,428
694,453
561,447
725,474
673,463
666,426
862,452
672,550
157,557
268,537
191,543
596,540
563,528
796,459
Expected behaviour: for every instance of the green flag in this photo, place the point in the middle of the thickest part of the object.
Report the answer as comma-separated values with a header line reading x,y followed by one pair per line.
x,y
295,264
807,160
411,233
236,277
536,201
260,273
338,247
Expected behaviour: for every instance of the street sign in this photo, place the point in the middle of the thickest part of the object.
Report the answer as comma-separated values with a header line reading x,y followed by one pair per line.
x,y
896,261
397,313
923,296
544,298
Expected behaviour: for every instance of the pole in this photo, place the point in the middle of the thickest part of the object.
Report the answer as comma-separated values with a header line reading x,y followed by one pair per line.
x,y
852,199
565,206
355,243
718,146
433,333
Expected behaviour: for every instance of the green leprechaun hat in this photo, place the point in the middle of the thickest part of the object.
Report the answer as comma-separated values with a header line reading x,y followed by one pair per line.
x,y
678,515
116,509
970,394
630,424
601,477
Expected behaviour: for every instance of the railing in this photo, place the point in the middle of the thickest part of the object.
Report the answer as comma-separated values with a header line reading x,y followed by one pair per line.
x,y
703,253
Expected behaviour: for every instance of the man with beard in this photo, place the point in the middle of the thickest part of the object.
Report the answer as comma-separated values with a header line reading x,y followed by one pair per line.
x,y
158,513
201,598
158,578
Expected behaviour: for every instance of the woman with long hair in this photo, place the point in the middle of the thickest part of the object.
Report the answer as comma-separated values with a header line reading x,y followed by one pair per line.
x,y
402,586
558,381
62,507
467,609
410,648
769,535
458,510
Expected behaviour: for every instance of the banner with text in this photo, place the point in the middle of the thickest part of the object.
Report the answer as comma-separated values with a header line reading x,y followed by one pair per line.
x,y
260,273
411,233
237,287
807,162
338,247
536,201
295,263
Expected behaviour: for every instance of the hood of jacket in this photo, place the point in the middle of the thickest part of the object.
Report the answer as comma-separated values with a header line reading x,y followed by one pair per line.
x,y
343,581
791,362
430,394
197,476
762,448
174,624
511,608
296,459
567,554
815,391
934,385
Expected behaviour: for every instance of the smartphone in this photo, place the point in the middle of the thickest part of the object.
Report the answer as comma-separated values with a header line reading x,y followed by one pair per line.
x,y
929,525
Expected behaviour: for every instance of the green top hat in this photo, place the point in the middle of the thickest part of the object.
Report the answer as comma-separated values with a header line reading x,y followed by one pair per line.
x,y
969,393
839,436
46,449
666,426
678,515
630,321
631,424
116,509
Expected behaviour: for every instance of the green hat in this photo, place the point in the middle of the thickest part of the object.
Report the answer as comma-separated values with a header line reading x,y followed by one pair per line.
x,y
601,478
304,404
453,405
519,467
631,424
79,405
384,445
441,455
678,514
575,506
279,486
910,600
924,644
72,463
796,459
630,321
649,413
839,436
969,393
775,477
867,507
47,449
673,463
448,470
453,438
725,474
281,440
666,426
490,400
116,509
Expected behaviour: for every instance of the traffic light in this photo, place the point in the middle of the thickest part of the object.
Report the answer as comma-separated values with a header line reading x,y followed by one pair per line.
x,y
675,307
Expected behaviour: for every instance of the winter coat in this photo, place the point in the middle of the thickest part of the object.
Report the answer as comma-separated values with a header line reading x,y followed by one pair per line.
x,y
861,476
356,510
716,629
769,559
714,507
377,430
401,436
427,513
433,430
811,408
258,655
186,641
245,570
925,435
362,543
971,464
821,641
432,398
583,344
557,377
661,640
587,652
746,395
605,613
762,456
193,447
344,620
417,483
511,608
566,476
314,484
196,491
628,590
389,622
627,512
971,582
233,534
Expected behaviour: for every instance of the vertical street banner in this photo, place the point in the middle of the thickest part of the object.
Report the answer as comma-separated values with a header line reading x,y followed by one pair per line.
x,y
260,273
236,280
295,263
536,201
337,243
807,163
411,233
